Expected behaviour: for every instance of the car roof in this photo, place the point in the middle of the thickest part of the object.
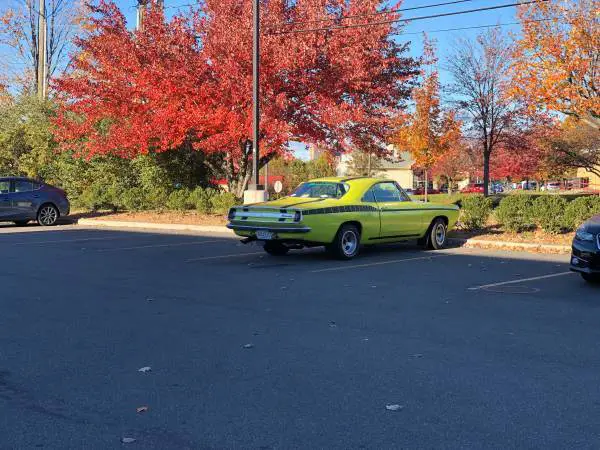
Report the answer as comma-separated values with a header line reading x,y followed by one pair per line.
x,y
16,179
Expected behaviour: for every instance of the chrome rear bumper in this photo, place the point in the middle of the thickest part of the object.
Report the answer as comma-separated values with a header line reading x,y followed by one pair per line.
x,y
268,228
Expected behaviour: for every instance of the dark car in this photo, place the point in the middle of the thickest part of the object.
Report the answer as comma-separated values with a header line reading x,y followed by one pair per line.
x,y
586,250
23,200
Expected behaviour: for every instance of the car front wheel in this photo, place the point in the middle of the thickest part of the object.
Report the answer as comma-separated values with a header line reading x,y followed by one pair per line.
x,y
48,215
438,235
591,277
346,243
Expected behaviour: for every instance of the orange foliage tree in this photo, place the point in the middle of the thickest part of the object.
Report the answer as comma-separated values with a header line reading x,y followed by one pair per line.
x,y
557,59
427,132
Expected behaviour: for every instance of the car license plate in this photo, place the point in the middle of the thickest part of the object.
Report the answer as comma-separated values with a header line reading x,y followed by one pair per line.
x,y
264,235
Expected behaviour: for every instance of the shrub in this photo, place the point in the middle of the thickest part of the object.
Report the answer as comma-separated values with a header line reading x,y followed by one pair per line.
x,y
202,199
515,212
180,200
221,202
580,210
136,199
475,211
549,213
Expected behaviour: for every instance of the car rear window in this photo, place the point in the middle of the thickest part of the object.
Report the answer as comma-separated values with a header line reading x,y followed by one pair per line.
x,y
320,189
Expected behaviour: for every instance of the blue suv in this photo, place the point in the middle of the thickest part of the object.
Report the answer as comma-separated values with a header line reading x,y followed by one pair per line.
x,y
23,200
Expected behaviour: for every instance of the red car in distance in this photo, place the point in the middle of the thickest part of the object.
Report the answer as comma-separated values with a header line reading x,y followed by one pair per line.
x,y
473,188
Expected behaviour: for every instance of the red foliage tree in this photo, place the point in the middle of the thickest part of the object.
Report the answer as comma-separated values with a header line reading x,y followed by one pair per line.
x,y
132,93
188,82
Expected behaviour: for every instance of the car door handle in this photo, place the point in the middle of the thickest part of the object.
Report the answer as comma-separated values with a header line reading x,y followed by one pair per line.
x,y
36,196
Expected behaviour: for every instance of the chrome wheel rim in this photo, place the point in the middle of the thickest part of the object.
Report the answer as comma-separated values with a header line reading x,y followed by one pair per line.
x,y
440,234
48,215
349,243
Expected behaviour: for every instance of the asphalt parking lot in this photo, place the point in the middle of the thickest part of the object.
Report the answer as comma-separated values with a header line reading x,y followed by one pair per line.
x,y
477,349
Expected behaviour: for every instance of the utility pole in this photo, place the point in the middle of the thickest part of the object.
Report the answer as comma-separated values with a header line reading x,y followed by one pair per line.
x,y
42,63
141,13
255,91
255,192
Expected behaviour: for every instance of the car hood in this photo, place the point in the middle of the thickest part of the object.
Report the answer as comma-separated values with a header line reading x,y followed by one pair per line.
x,y
593,225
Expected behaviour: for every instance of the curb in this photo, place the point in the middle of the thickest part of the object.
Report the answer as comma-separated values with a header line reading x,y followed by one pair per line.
x,y
468,243
154,226
504,245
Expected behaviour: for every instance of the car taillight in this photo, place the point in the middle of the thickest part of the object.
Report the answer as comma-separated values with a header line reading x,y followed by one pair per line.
x,y
297,216
231,214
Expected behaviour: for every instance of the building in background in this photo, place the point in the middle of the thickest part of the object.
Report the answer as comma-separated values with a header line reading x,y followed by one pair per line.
x,y
398,168
593,179
314,152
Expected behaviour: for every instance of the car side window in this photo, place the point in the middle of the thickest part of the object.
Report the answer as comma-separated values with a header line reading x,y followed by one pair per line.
x,y
369,196
388,192
4,187
23,186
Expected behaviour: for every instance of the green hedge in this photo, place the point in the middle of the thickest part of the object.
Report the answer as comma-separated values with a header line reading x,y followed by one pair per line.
x,y
549,213
580,210
475,211
515,213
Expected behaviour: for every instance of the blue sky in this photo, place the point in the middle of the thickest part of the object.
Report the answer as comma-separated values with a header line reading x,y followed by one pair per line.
x,y
412,31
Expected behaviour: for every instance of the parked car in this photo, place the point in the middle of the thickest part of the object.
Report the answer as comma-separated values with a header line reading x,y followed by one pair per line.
x,y
340,214
421,191
585,257
23,200
473,188
551,186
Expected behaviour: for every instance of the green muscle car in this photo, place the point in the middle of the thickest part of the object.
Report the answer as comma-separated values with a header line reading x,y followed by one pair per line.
x,y
342,213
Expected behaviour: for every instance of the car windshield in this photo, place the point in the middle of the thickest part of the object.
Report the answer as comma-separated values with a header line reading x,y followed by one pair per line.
x,y
320,189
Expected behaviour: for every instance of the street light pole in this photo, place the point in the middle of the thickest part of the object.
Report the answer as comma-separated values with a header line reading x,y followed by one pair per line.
x,y
255,93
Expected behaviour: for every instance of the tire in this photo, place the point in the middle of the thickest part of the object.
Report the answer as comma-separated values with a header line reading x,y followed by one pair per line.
x,y
346,244
48,215
437,236
275,248
21,223
591,277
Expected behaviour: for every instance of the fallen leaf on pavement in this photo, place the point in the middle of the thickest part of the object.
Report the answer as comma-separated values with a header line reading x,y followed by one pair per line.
x,y
141,409
145,369
127,440
394,407
249,346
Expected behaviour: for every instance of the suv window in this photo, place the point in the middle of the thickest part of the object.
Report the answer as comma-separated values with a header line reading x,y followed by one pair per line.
x,y
4,186
23,186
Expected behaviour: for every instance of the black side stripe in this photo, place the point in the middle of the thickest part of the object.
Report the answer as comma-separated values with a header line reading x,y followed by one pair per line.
x,y
340,209
396,236
365,208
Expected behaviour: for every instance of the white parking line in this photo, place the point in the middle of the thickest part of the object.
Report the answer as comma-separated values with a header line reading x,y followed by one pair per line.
x,y
379,263
520,280
233,255
178,244
59,241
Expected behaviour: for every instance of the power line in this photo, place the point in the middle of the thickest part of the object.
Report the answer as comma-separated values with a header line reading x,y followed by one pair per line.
x,y
410,19
469,28
377,13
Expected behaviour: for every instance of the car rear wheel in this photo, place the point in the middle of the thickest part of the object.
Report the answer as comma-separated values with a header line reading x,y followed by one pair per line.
x,y
275,248
346,243
47,215
21,223
591,277
437,237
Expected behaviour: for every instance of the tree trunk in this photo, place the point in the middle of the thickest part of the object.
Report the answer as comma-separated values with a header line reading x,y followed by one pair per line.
x,y
449,185
426,185
486,173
